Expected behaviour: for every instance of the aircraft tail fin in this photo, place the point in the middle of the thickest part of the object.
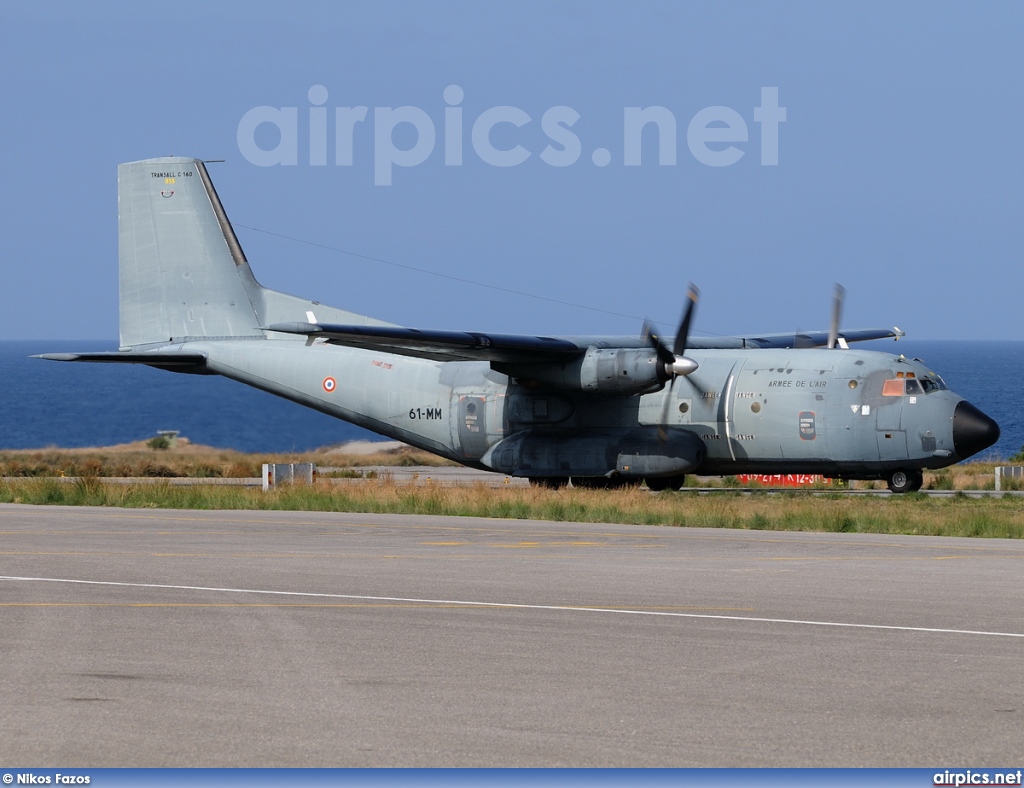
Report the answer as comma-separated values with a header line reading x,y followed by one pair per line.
x,y
182,271
184,275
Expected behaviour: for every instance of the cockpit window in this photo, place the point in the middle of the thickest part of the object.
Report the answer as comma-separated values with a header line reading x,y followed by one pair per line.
x,y
893,387
910,385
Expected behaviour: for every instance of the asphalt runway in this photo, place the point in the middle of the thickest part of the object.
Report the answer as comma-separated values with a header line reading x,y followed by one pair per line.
x,y
190,638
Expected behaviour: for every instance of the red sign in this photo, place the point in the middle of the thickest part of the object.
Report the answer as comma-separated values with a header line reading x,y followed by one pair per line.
x,y
784,480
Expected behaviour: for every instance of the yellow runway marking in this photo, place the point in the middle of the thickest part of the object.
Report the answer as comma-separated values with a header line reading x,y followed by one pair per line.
x,y
330,555
237,604
235,526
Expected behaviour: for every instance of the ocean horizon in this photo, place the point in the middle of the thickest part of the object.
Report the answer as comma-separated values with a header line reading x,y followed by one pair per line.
x,y
50,404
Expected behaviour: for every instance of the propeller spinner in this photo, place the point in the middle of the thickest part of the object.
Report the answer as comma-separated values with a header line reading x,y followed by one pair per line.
x,y
674,362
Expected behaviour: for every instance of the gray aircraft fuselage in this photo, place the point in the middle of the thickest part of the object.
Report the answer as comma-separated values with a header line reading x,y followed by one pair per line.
x,y
841,413
547,408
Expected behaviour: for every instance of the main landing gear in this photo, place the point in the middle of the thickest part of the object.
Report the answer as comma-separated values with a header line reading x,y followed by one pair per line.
x,y
665,483
550,482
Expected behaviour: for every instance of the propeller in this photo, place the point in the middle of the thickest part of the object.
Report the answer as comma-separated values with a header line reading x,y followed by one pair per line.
x,y
837,312
801,340
675,363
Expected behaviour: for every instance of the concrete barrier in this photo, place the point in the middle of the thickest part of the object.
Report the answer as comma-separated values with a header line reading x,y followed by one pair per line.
x,y
1008,472
287,473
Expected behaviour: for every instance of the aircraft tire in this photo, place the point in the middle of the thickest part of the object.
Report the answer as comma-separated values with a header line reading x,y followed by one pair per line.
x,y
603,482
665,483
590,482
550,482
901,481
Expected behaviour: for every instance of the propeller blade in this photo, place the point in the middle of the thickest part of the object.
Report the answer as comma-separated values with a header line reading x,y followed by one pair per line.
x,y
670,400
663,427
837,313
674,363
801,340
665,355
700,389
683,335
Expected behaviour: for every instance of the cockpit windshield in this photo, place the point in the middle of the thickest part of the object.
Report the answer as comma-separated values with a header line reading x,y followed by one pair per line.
x,y
909,384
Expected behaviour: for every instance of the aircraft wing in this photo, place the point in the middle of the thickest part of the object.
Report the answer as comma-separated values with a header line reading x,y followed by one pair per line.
x,y
466,345
440,345
525,349
802,339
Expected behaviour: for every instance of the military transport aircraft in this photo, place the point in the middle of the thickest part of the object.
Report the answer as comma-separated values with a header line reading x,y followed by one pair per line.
x,y
597,410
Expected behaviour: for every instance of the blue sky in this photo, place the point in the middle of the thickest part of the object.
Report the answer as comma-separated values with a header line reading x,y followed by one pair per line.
x,y
900,173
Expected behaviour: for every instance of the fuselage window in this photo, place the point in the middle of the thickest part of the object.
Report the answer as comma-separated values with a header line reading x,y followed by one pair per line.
x,y
913,387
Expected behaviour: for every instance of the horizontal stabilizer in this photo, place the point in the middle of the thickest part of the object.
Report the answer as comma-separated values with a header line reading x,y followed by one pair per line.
x,y
176,361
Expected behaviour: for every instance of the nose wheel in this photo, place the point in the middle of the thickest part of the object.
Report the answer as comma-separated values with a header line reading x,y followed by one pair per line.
x,y
905,481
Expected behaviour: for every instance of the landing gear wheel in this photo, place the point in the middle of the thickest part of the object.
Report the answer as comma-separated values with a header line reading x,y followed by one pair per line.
x,y
665,483
603,482
590,482
905,481
550,482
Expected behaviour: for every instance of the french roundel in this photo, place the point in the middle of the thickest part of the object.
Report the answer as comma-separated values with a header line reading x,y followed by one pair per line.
x,y
330,384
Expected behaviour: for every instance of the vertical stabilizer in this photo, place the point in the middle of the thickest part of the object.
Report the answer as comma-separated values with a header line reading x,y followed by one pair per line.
x,y
182,270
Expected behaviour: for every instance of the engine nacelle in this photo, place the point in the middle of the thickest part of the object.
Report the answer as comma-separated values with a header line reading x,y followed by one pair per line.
x,y
636,454
619,371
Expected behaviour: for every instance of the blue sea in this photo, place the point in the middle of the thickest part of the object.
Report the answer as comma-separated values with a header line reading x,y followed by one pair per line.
x,y
46,403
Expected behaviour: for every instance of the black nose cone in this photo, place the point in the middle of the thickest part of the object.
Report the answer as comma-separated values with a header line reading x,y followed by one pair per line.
x,y
973,431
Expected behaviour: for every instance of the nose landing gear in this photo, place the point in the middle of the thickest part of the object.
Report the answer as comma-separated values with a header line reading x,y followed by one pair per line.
x,y
905,481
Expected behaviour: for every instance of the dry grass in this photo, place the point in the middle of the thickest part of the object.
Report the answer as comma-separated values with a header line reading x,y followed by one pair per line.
x,y
835,512
910,514
186,459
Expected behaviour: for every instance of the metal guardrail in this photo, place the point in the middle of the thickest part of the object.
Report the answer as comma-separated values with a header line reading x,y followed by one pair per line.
x,y
463,477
